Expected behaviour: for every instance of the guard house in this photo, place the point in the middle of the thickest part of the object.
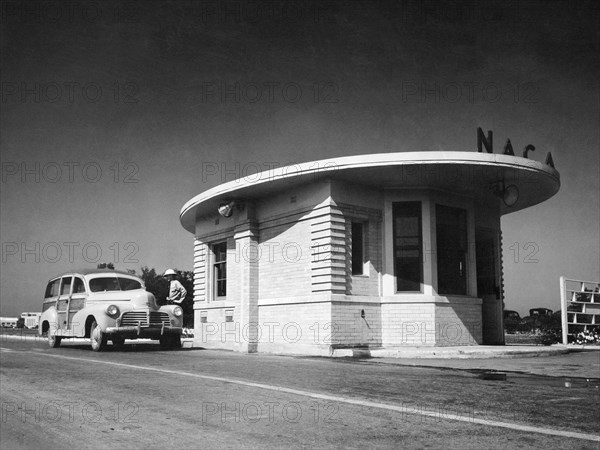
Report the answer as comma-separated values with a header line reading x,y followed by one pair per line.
x,y
369,251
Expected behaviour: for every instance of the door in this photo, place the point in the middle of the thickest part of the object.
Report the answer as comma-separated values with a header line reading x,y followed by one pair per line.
x,y
452,248
50,298
76,303
62,304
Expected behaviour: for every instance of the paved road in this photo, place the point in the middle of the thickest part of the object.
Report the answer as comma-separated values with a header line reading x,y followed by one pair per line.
x,y
575,364
143,397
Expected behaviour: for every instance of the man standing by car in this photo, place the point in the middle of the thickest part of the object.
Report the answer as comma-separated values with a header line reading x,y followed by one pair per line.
x,y
177,292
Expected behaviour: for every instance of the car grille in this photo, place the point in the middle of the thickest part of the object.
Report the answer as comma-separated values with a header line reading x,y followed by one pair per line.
x,y
158,318
155,319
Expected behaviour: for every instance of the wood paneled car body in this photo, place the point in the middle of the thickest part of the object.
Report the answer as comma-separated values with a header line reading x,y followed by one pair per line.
x,y
104,305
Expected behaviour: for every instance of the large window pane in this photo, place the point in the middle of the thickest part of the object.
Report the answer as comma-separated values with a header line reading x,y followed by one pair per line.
x,y
451,234
65,288
52,288
408,245
357,248
78,286
220,269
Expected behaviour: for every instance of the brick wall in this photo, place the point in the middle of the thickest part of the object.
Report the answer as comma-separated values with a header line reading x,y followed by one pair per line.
x,y
407,324
458,322
350,328
328,244
437,321
217,332
200,261
284,264
303,327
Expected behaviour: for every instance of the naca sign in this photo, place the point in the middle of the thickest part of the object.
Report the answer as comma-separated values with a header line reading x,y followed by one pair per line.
x,y
488,144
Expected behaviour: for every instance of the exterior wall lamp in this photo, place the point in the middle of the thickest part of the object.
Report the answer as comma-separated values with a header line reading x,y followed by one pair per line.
x,y
226,208
509,194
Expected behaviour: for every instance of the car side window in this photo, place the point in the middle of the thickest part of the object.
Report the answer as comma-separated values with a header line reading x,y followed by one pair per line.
x,y
65,288
78,286
52,288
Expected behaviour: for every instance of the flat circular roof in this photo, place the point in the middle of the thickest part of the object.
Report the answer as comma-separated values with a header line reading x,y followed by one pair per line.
x,y
469,173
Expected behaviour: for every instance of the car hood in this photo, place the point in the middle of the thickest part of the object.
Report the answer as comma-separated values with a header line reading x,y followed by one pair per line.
x,y
138,299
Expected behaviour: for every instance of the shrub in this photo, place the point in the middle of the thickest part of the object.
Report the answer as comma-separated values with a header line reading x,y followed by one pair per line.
x,y
587,337
551,335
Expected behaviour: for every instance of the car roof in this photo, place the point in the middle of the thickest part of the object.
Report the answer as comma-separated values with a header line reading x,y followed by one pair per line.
x,y
88,271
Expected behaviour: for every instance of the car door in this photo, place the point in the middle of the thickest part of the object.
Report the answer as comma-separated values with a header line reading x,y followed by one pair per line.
x,y
62,304
49,306
77,303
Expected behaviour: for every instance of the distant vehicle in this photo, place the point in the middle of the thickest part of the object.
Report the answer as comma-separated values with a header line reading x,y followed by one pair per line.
x,y
31,319
538,317
8,322
540,312
102,304
513,315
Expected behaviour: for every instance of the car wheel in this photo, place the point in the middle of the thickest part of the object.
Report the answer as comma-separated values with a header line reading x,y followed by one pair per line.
x,y
53,339
118,341
164,341
176,341
97,338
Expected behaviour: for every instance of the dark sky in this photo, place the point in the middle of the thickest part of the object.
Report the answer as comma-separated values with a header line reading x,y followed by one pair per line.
x,y
118,109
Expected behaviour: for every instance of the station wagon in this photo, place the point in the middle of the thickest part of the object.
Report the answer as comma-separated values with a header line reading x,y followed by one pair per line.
x,y
103,305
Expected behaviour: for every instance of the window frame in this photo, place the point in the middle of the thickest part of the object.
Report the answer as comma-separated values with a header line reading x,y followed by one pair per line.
x,y
75,278
397,208
215,271
63,280
357,268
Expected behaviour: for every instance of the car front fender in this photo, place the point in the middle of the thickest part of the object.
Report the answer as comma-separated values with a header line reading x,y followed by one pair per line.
x,y
48,316
97,313
176,321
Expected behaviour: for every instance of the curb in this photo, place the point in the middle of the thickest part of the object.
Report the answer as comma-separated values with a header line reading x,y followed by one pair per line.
x,y
448,353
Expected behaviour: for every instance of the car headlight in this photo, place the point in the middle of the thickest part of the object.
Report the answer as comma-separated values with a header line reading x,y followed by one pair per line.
x,y
177,311
112,310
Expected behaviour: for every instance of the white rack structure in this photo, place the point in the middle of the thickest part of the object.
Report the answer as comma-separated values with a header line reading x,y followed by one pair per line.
x,y
580,306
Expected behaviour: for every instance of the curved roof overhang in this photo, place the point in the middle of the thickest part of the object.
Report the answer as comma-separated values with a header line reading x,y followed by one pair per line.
x,y
469,173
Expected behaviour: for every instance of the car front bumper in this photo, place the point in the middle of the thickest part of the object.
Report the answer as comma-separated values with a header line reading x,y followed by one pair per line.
x,y
135,332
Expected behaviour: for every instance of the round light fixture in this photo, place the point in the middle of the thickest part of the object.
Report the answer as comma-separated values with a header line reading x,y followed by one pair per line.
x,y
226,209
510,196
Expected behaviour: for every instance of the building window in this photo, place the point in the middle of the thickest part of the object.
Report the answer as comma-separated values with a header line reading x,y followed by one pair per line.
x,y
229,315
357,248
408,246
220,269
451,234
203,316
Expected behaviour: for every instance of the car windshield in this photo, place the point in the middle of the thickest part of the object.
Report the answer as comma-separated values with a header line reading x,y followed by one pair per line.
x,y
114,284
